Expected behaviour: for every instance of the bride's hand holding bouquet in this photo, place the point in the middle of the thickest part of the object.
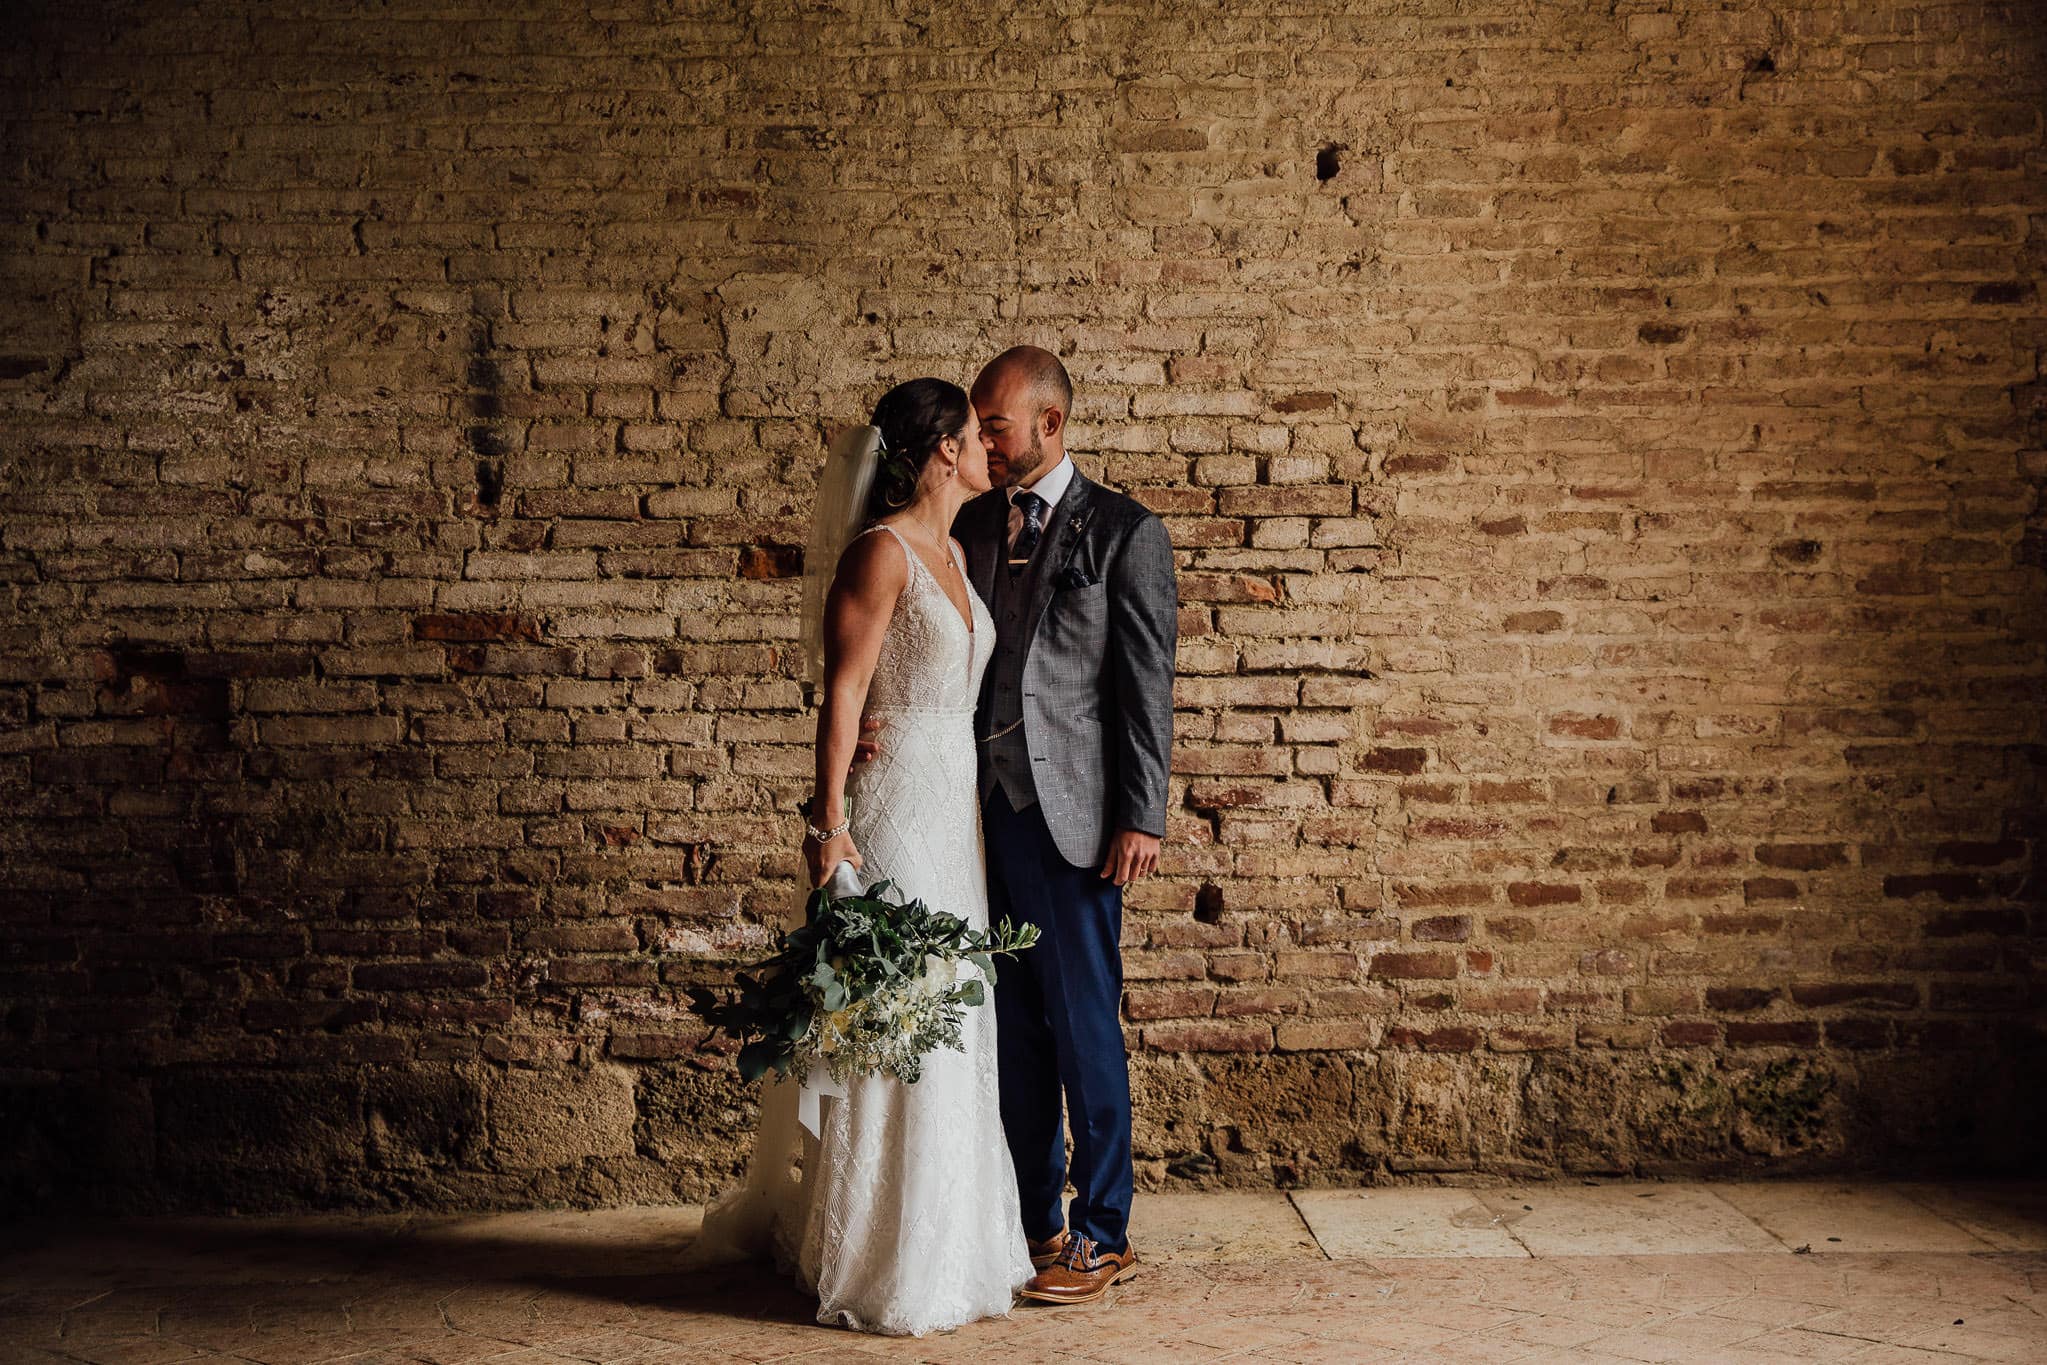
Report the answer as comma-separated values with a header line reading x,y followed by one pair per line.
x,y
826,844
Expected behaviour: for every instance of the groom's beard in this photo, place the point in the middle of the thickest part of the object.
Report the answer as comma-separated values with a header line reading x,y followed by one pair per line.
x,y
1016,471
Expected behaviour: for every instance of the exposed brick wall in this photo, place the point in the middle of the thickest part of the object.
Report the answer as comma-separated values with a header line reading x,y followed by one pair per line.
x,y
1604,451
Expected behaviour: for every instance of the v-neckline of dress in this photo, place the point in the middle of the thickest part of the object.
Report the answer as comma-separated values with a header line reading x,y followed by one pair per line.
x,y
965,618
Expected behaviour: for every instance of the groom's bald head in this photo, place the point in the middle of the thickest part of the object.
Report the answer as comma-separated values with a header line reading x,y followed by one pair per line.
x,y
1042,379
1022,398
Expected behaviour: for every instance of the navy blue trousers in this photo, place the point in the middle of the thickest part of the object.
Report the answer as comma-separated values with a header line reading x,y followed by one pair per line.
x,y
1058,1009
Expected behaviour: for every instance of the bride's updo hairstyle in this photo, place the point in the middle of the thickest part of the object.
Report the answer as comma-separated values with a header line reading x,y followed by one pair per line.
x,y
913,418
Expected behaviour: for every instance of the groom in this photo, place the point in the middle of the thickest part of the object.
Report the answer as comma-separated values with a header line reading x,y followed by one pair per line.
x,y
1075,724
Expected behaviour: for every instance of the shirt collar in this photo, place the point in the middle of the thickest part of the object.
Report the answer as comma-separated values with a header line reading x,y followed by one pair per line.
x,y
1052,486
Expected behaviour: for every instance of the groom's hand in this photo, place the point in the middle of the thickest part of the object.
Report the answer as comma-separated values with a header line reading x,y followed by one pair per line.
x,y
1131,855
865,749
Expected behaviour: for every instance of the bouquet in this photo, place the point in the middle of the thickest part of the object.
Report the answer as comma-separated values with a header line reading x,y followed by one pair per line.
x,y
866,985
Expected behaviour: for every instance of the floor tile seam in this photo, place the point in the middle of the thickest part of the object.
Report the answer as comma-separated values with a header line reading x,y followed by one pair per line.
x,y
1897,1188
1787,1325
1907,1190
1501,1221
1300,1216
1741,1215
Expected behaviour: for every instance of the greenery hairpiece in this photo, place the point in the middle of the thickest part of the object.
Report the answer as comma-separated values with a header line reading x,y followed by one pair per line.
x,y
898,472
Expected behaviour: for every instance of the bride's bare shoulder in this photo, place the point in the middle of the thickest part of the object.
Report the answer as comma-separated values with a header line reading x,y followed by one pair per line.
x,y
875,565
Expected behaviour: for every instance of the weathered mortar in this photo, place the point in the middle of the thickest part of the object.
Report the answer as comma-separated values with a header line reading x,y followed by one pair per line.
x,y
1604,446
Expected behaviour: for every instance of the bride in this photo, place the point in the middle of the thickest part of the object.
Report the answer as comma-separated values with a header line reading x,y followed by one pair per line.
x,y
903,1216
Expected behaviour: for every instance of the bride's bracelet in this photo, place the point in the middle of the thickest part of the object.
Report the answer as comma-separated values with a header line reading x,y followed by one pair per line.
x,y
825,836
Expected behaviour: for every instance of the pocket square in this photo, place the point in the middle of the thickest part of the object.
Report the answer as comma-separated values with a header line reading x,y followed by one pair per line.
x,y
1073,576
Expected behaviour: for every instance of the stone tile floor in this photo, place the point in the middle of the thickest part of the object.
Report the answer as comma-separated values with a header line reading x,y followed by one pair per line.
x,y
1582,1271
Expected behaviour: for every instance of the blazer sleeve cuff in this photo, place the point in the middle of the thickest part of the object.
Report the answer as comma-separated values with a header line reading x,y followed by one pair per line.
x,y
1148,822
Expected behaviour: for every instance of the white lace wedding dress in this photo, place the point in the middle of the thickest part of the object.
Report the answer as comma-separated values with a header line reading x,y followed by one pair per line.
x,y
903,1216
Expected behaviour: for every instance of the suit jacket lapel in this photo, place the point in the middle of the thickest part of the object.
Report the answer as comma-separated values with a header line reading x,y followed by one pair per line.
x,y
1061,537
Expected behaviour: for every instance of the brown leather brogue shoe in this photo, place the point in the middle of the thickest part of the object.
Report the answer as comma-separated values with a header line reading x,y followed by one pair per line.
x,y
1082,1274
1045,1252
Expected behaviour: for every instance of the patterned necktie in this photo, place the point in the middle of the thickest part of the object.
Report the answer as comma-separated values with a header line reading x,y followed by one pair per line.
x,y
1033,508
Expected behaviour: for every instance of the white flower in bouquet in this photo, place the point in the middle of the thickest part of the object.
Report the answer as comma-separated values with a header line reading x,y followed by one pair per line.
x,y
940,975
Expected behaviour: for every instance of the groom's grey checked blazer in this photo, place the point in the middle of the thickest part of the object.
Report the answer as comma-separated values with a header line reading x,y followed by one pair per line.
x,y
1100,624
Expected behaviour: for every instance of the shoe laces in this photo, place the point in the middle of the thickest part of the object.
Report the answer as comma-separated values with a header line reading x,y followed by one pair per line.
x,y
1078,1253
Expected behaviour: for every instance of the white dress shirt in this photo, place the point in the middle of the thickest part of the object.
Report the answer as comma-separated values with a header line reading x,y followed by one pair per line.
x,y
1051,487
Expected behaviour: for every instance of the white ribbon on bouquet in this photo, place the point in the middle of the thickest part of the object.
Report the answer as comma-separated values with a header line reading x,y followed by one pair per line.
x,y
817,1082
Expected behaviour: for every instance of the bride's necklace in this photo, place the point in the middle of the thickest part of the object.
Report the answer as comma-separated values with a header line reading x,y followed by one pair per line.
x,y
972,633
944,547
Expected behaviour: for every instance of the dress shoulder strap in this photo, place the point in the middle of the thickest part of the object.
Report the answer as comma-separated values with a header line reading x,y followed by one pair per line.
x,y
904,545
